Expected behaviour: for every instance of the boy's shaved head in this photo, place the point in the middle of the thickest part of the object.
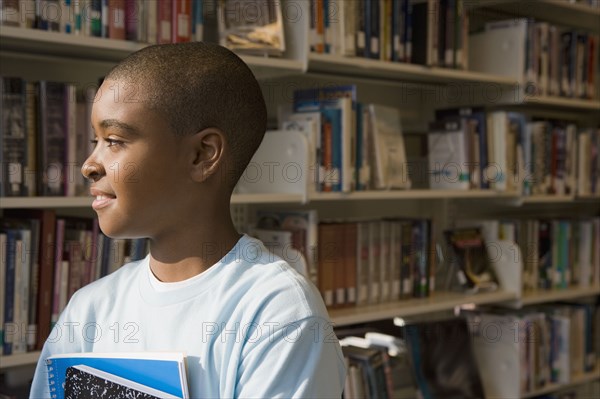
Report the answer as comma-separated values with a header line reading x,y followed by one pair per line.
x,y
196,86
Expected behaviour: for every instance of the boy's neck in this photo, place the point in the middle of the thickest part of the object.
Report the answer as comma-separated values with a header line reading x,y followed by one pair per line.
x,y
180,257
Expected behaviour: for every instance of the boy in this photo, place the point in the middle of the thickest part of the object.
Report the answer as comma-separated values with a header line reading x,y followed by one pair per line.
x,y
175,127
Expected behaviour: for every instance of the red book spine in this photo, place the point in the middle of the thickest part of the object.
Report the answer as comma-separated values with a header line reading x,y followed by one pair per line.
x,y
116,19
182,21
164,26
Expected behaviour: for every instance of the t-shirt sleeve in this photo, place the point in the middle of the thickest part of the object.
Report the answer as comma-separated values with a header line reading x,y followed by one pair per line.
x,y
302,360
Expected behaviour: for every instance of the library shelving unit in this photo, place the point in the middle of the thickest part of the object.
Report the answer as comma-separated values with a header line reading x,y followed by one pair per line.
x,y
39,55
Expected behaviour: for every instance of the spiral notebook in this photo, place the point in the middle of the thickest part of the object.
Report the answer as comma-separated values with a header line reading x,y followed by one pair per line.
x,y
87,382
159,372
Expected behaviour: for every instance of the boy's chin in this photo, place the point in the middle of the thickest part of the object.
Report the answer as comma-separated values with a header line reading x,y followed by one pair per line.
x,y
118,232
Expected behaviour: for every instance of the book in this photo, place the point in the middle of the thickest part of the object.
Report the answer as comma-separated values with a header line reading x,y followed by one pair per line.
x,y
443,360
251,27
448,161
337,105
468,252
13,137
88,382
388,153
162,371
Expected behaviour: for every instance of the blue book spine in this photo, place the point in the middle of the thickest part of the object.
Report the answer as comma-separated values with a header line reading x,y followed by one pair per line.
x,y
198,17
483,147
359,157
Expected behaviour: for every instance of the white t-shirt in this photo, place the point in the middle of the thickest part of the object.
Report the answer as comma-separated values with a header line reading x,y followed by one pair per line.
x,y
250,325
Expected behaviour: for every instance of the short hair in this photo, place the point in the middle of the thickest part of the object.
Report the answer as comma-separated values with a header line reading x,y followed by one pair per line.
x,y
199,85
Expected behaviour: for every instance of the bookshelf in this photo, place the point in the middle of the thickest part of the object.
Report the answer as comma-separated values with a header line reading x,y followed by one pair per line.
x,y
357,67
24,359
31,49
556,11
438,302
575,381
569,294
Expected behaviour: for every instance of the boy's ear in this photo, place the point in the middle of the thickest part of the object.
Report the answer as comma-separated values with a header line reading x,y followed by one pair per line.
x,y
207,148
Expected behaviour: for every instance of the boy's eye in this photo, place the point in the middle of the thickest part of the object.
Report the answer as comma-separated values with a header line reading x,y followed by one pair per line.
x,y
112,142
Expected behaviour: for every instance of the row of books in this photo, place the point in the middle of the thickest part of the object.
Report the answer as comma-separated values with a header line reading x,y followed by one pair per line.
x,y
508,151
375,261
556,253
548,59
481,353
252,26
45,259
45,137
536,347
434,32
356,146
136,20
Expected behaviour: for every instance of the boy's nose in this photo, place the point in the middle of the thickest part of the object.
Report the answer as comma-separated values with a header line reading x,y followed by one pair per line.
x,y
92,171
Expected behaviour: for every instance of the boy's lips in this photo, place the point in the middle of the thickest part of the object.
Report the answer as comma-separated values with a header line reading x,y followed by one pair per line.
x,y
102,199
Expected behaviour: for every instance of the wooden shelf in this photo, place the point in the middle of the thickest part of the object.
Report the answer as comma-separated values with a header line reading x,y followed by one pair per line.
x,y
55,44
589,197
537,297
60,44
24,359
439,301
397,71
45,202
545,199
412,195
267,199
86,202
560,12
575,381
563,102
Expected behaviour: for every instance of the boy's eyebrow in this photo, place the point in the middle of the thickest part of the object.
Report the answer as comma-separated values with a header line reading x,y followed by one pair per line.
x,y
115,123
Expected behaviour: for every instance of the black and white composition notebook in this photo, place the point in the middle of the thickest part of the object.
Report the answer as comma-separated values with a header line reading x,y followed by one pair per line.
x,y
117,375
84,382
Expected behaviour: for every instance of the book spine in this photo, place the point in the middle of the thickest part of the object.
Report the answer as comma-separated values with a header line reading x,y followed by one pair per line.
x,y
350,262
328,255
182,21
362,264
198,20
9,291
420,243
58,270
408,31
13,137
133,20
375,26
375,289
46,258
34,284
164,21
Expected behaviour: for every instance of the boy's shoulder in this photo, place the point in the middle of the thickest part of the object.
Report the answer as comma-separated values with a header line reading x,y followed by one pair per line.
x,y
261,280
